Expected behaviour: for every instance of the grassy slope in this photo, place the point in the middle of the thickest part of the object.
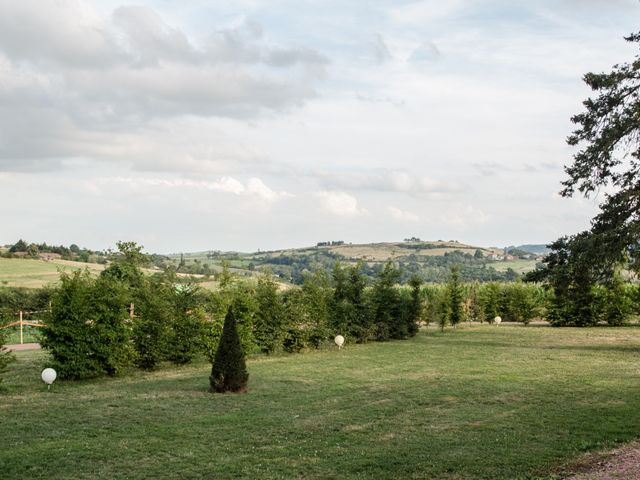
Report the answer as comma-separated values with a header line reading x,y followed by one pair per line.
x,y
483,402
22,272
520,266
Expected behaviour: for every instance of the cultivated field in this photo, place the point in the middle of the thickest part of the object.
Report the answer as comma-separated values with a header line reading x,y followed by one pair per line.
x,y
479,403
22,272
519,266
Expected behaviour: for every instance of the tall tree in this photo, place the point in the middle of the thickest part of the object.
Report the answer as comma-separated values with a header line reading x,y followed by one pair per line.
x,y
455,312
609,136
416,308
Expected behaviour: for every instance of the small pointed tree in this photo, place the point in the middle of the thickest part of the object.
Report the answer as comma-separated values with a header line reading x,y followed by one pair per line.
x,y
229,371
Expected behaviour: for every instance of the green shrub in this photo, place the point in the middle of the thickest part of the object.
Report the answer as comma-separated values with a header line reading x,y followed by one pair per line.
x,y
617,304
154,311
229,371
188,326
268,323
455,312
316,298
6,356
241,296
89,331
413,306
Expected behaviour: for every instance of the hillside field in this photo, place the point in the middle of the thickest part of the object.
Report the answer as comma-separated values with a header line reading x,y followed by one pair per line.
x,y
32,273
482,402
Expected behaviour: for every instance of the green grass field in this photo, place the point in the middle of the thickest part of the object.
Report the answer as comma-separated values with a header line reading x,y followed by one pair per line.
x,y
519,266
479,403
22,272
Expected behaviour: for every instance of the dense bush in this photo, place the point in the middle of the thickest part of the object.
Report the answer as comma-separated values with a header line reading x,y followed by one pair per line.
x,y
268,324
14,299
188,326
5,356
89,332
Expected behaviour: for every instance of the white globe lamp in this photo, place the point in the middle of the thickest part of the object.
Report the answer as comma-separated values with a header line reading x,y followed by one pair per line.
x,y
339,341
48,376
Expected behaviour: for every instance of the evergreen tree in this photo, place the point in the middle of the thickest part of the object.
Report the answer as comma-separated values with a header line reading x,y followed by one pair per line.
x,y
455,294
415,307
188,325
386,303
229,371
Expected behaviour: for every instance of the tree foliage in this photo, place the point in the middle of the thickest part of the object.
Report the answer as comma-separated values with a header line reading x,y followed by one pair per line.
x,y
455,313
88,333
608,135
6,357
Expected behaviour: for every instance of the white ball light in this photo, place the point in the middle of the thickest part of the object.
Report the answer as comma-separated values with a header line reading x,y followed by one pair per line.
x,y
49,375
498,320
339,340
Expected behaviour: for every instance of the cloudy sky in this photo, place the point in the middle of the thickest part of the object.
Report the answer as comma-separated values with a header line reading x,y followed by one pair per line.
x,y
256,124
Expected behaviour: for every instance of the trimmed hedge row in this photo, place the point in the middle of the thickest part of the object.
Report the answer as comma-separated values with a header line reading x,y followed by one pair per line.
x,y
91,332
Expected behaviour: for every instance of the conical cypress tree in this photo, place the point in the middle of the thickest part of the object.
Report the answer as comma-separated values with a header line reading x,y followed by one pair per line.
x,y
229,371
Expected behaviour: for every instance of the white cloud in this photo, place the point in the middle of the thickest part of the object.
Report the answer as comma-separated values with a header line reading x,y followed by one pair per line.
x,y
403,215
426,11
388,181
254,187
341,204
465,216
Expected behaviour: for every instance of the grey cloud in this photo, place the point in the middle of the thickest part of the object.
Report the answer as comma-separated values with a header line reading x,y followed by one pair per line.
x,y
55,33
148,39
75,84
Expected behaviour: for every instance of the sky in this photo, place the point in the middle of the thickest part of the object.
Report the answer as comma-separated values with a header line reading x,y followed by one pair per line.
x,y
253,124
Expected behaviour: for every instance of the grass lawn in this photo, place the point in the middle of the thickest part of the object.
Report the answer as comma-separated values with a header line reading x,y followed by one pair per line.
x,y
482,402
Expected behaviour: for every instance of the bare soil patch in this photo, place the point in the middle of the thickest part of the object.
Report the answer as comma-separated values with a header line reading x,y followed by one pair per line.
x,y
25,346
620,463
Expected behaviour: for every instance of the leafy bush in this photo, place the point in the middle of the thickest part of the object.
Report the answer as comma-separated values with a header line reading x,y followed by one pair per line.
x,y
152,326
268,326
188,326
89,331
5,356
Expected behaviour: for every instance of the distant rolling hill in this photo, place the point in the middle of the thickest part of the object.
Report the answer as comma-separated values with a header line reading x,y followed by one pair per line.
x,y
431,260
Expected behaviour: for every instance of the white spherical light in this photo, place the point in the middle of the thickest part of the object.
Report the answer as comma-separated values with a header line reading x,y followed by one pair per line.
x,y
339,340
49,375
498,320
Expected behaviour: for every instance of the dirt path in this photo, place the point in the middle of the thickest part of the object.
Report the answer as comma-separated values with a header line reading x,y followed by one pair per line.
x,y
620,464
25,346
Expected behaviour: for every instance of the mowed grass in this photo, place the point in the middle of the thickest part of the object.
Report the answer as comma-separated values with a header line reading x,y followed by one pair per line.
x,y
32,273
482,402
